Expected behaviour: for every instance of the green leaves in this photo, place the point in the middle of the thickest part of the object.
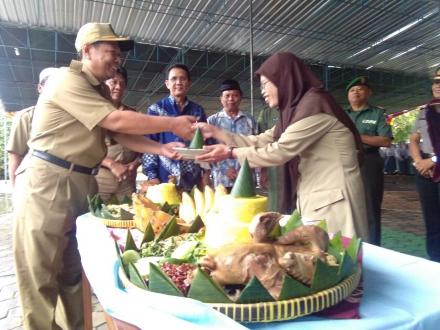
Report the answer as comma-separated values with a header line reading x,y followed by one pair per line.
x,y
197,140
244,185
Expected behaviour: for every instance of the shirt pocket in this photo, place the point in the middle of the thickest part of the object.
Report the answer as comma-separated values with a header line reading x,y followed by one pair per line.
x,y
320,199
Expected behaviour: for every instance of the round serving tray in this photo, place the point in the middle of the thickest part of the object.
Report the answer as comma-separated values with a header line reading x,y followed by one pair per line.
x,y
117,223
278,310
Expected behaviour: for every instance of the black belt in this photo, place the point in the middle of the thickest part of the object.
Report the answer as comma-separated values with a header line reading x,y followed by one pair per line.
x,y
64,163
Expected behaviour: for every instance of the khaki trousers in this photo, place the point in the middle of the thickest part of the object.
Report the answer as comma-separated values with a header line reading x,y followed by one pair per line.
x,y
47,261
108,185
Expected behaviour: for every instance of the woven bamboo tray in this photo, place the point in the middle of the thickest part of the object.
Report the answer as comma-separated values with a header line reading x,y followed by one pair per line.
x,y
117,223
278,310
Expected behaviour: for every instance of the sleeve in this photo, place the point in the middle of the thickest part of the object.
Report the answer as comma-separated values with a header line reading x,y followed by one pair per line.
x,y
417,128
295,139
150,166
260,140
74,93
383,128
20,134
153,111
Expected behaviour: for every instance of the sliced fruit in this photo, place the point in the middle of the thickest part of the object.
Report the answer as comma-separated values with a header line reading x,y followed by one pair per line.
x,y
187,209
209,198
220,192
199,199
163,192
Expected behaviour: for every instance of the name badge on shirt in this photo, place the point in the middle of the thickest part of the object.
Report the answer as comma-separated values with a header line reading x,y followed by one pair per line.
x,y
369,121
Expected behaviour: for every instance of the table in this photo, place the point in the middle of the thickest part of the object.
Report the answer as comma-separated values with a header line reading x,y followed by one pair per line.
x,y
401,292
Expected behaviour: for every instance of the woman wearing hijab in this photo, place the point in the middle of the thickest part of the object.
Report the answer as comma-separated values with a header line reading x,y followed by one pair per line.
x,y
314,140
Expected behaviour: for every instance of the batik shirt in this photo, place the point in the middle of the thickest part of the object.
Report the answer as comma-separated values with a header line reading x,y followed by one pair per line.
x,y
243,124
186,172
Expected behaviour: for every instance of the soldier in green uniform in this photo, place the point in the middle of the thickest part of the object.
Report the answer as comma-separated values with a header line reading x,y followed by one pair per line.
x,y
67,145
375,133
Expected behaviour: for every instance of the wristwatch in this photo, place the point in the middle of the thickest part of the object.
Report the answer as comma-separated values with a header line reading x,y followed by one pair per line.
x,y
434,159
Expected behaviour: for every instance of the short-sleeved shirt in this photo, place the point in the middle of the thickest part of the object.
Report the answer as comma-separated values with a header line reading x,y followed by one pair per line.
x,y
421,127
67,114
20,132
243,124
186,172
370,121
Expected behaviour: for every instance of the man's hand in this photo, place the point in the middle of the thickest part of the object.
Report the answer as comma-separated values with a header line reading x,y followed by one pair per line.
x,y
120,171
231,173
167,150
215,153
208,131
183,126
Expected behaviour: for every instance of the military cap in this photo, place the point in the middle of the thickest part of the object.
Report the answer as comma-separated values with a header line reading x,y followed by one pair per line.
x,y
94,32
358,81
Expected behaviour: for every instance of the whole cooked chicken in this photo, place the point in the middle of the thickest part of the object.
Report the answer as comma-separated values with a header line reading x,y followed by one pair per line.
x,y
294,253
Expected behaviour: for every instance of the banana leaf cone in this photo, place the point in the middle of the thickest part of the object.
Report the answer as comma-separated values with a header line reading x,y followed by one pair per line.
x,y
244,185
159,282
254,291
204,288
129,242
293,289
197,140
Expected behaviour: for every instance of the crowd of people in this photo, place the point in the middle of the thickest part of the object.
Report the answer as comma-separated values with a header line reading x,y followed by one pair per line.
x,y
327,159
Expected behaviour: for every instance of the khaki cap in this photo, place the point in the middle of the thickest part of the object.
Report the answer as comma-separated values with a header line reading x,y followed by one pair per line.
x,y
93,32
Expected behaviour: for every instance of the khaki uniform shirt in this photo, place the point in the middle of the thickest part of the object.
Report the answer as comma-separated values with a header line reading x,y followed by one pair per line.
x,y
20,132
67,114
330,184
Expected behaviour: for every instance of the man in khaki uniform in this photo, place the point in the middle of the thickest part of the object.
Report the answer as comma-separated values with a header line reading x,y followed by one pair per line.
x,y
67,143
21,130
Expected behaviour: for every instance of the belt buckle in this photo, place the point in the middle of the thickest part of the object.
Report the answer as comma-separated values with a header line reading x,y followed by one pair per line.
x,y
95,170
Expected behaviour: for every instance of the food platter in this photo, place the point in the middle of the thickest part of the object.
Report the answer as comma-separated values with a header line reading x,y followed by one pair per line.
x,y
116,223
189,153
276,310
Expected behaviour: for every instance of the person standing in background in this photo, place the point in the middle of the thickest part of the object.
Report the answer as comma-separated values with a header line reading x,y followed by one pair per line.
x,y
375,132
231,119
424,147
117,175
17,147
161,169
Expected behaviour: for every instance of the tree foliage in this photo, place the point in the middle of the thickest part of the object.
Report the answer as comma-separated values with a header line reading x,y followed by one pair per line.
x,y
402,126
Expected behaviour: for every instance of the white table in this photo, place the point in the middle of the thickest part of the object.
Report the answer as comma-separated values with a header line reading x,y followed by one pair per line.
x,y
401,292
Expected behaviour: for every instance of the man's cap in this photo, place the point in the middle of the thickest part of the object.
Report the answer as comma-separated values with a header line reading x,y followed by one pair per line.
x,y
94,32
46,73
358,81
230,84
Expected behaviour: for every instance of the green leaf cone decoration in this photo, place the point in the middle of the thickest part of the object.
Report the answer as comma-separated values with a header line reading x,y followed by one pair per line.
x,y
197,140
127,200
353,247
106,214
292,223
129,243
196,225
292,289
125,215
204,288
148,234
347,266
161,283
244,185
90,201
170,229
323,225
135,277
254,292
165,207
325,276
98,202
113,201
118,251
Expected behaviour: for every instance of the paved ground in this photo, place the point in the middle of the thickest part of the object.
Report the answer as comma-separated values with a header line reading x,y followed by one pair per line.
x,y
403,231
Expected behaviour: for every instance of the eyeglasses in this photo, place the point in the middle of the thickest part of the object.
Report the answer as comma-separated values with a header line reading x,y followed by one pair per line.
x,y
436,81
263,85
178,79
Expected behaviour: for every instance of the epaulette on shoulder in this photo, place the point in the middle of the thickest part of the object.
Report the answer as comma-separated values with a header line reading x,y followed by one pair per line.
x,y
76,66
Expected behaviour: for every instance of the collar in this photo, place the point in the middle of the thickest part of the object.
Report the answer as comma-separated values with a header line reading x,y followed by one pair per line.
x,y
78,66
223,113
173,100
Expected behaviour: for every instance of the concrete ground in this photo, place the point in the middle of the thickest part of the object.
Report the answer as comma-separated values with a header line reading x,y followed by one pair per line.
x,y
403,230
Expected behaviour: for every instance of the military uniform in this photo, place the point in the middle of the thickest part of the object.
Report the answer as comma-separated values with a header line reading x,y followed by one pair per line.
x,y
51,197
371,121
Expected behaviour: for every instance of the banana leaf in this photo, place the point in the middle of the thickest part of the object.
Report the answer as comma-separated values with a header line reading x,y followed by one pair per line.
x,y
129,243
292,223
135,277
170,229
196,225
148,234
254,292
204,288
292,288
159,282
325,276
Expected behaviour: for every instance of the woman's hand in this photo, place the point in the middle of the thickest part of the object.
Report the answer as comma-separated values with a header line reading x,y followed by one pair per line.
x,y
424,166
215,153
167,150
